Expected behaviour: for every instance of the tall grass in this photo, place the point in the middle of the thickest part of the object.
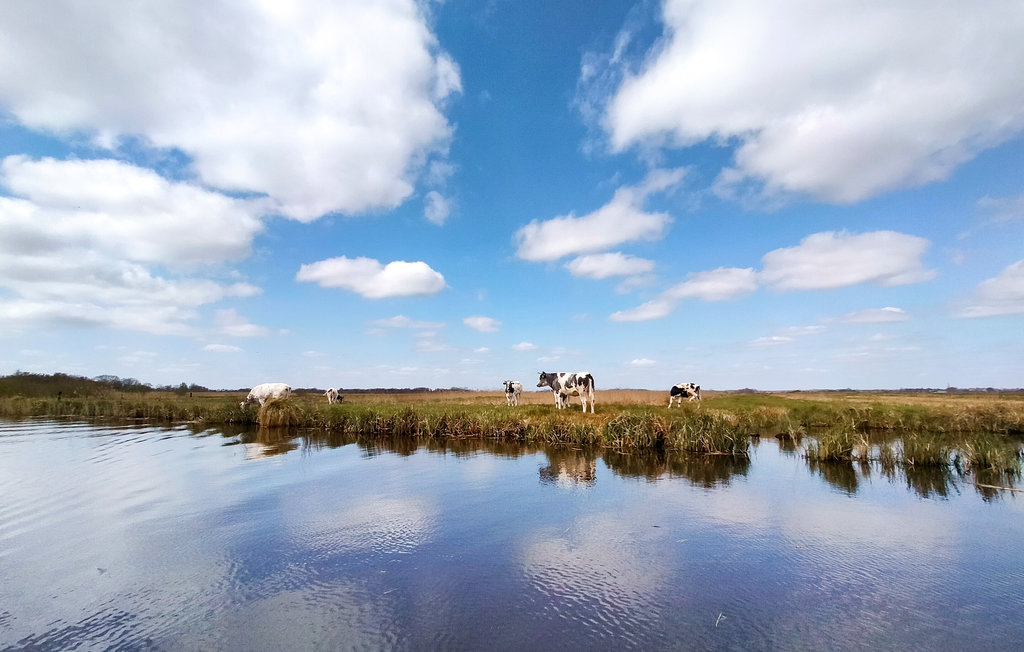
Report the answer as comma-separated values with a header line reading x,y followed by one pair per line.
x,y
937,433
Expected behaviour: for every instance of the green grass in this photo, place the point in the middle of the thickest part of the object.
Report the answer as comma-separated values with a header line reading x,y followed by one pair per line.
x,y
971,434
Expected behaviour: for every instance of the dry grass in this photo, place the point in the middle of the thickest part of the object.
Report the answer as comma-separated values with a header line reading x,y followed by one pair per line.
x,y
922,399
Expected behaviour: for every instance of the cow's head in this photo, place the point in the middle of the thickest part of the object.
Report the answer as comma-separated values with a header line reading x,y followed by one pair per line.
x,y
544,381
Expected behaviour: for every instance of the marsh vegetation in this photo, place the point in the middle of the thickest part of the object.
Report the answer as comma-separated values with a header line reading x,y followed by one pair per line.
x,y
966,433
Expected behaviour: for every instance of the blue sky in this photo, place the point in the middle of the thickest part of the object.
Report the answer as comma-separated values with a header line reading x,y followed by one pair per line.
x,y
774,195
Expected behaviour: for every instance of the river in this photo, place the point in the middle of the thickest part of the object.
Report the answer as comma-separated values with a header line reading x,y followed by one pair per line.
x,y
141,537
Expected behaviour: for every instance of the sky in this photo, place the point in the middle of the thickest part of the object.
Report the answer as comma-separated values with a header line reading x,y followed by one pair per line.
x,y
781,194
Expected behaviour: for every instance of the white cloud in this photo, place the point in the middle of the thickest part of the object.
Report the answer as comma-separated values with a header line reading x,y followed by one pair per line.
x,y
840,100
801,331
830,260
717,285
437,208
401,321
525,346
121,211
342,113
601,266
1001,295
654,309
78,240
482,324
620,220
642,362
231,323
1003,209
876,316
772,340
372,280
821,261
222,348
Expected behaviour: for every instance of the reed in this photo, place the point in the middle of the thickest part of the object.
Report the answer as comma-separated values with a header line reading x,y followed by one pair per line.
x,y
834,444
280,413
933,431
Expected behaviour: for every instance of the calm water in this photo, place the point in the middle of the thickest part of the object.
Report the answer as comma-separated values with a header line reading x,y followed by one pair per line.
x,y
169,539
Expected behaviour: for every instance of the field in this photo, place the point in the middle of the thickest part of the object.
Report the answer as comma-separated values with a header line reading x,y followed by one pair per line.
x,y
967,431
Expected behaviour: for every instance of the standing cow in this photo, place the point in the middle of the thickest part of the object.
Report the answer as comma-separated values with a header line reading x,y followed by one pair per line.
x,y
331,394
513,388
263,393
689,391
564,384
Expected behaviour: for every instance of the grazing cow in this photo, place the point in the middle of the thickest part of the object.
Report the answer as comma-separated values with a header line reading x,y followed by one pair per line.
x,y
513,388
263,393
331,394
564,384
689,391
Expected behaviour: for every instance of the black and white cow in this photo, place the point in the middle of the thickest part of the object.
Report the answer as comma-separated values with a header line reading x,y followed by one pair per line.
x,y
564,384
689,391
513,388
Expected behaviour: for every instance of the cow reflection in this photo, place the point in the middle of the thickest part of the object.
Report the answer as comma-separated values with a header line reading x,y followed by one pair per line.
x,y
568,468
267,442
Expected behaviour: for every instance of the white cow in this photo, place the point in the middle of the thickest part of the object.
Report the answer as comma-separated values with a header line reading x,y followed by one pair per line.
x,y
513,388
563,385
689,391
331,394
265,392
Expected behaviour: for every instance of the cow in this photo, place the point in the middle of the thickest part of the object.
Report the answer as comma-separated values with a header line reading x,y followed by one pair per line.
x,y
263,393
513,388
564,384
689,391
331,394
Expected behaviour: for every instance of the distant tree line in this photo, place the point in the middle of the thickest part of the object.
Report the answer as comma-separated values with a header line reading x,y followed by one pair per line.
x,y
22,383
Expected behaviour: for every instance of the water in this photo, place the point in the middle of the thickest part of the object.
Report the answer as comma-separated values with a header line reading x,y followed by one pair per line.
x,y
169,539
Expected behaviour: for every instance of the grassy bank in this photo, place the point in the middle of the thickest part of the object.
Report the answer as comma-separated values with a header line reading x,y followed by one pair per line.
x,y
969,431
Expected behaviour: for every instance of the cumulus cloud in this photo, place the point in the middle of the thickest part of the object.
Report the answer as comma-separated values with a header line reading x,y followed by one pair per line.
x,y
717,285
525,346
829,260
834,100
122,211
621,220
401,321
601,266
231,323
80,242
1003,209
343,113
482,324
1001,295
876,316
821,261
642,362
437,208
222,348
654,309
372,280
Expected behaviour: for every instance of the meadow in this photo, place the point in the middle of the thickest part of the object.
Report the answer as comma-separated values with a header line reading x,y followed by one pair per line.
x,y
962,431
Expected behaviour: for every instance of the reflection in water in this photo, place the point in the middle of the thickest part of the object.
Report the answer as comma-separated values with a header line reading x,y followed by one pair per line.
x,y
267,442
166,538
789,444
567,467
841,475
931,481
706,471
